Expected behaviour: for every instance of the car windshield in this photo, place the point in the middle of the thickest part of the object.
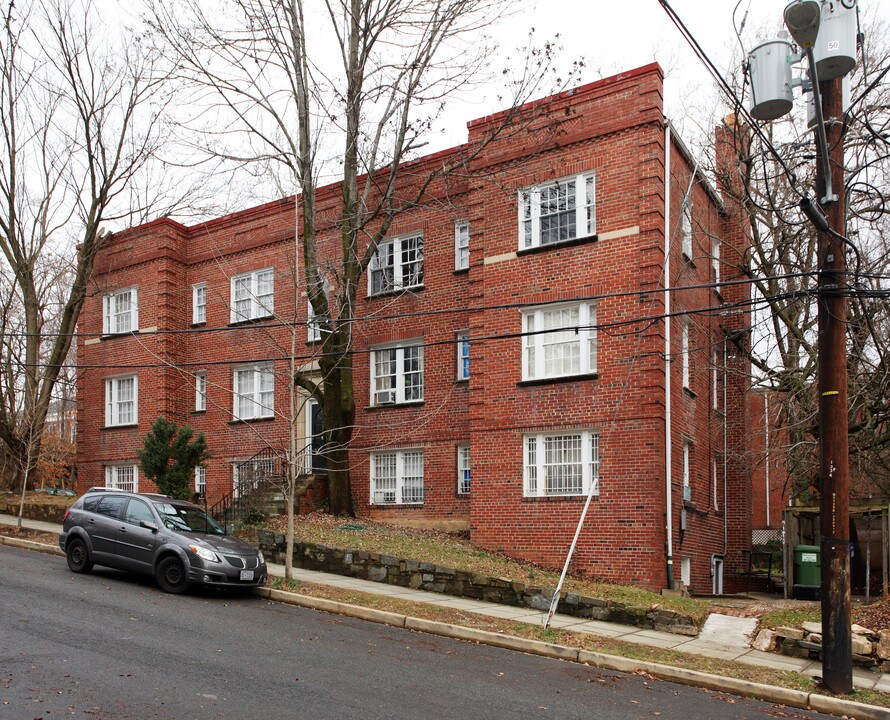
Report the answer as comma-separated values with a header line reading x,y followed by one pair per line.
x,y
183,518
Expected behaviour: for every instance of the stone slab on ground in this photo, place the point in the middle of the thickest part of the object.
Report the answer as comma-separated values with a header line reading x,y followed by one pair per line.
x,y
728,630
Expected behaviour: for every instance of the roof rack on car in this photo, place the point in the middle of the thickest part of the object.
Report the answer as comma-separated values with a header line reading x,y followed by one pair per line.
x,y
102,488
157,495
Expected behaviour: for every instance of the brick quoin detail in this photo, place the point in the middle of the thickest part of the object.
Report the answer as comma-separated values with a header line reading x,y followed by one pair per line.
x,y
613,127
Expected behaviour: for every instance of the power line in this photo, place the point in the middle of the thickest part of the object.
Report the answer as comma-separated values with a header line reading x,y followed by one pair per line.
x,y
647,321
260,325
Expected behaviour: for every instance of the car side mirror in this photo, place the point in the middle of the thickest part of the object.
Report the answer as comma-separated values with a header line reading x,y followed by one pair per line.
x,y
148,525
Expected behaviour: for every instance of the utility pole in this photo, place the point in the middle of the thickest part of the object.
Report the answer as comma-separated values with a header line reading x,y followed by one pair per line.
x,y
837,653
826,34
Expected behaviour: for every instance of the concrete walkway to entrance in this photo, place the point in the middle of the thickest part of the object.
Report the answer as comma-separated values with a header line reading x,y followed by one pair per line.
x,y
723,636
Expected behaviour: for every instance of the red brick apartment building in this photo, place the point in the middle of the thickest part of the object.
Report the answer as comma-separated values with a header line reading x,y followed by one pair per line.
x,y
553,372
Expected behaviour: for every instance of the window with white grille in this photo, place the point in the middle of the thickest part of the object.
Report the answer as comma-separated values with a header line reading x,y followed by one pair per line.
x,y
397,375
561,464
254,392
120,311
121,400
559,341
461,245
199,303
557,211
463,469
397,477
122,477
252,295
397,265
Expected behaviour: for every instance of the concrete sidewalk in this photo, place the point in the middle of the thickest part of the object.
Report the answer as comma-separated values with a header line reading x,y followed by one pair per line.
x,y
716,645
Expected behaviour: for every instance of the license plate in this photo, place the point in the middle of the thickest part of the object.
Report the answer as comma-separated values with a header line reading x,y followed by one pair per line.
x,y
247,574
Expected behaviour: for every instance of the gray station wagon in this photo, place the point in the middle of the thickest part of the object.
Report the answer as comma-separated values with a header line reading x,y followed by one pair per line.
x,y
175,541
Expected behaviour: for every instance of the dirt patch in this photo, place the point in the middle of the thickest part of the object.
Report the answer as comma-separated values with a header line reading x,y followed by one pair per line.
x,y
28,534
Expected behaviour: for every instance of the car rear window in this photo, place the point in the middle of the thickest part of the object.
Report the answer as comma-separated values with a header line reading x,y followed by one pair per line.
x,y
112,506
89,503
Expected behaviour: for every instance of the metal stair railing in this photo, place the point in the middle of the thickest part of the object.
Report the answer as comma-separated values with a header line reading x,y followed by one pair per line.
x,y
253,478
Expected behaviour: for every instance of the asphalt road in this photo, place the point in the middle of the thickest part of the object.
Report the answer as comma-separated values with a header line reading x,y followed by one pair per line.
x,y
111,645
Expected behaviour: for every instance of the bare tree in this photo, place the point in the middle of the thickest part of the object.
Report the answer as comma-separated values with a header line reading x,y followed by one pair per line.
x,y
80,116
343,90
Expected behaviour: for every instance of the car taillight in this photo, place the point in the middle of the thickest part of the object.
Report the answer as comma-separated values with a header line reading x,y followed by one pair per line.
x,y
67,513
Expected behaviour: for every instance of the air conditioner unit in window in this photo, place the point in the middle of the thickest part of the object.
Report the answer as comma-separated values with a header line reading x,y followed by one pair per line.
x,y
385,397
383,497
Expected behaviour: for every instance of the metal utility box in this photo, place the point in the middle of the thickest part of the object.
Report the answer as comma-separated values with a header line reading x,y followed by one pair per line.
x,y
807,572
770,67
835,48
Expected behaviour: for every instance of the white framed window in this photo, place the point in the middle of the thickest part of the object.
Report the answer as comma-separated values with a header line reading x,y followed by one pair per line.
x,y
313,328
461,245
121,400
687,470
122,477
463,355
120,311
397,265
715,264
199,303
684,354
252,295
686,229
201,480
463,469
559,341
397,374
397,477
254,392
200,391
565,463
557,211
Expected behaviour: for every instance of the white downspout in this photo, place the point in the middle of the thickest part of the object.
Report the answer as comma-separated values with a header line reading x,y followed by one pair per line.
x,y
725,458
668,479
766,441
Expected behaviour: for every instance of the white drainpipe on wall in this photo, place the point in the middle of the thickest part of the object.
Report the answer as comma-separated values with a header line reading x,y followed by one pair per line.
x,y
668,479
725,455
766,442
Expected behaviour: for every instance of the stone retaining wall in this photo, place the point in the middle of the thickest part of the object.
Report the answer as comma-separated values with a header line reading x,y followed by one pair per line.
x,y
435,578
44,513
869,647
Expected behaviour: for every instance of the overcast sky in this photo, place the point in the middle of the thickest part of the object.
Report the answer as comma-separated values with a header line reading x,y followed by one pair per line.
x,y
617,36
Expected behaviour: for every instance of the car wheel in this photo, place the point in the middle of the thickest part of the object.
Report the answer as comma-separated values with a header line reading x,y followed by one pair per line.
x,y
171,575
78,556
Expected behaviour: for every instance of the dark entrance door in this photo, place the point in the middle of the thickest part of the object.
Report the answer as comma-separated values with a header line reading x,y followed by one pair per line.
x,y
319,461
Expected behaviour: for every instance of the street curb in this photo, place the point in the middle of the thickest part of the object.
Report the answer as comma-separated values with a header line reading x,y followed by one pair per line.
x,y
758,691
768,693
31,545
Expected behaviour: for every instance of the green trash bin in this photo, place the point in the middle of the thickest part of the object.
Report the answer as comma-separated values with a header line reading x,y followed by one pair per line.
x,y
807,572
